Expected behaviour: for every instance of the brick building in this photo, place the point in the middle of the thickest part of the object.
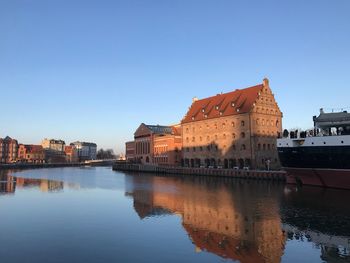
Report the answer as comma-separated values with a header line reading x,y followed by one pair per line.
x,y
238,128
130,151
156,144
31,153
8,150
54,150
71,154
86,150
167,148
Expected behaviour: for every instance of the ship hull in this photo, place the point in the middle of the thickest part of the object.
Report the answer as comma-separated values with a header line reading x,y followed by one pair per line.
x,y
333,178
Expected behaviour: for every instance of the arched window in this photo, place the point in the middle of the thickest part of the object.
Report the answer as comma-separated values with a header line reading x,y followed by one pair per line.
x,y
243,147
242,123
233,124
242,135
233,135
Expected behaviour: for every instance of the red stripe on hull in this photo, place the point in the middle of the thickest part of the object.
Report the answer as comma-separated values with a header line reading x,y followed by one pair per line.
x,y
319,177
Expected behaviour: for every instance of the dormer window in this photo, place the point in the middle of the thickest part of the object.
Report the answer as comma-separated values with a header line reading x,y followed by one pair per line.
x,y
205,116
203,110
237,110
220,113
217,107
193,118
232,104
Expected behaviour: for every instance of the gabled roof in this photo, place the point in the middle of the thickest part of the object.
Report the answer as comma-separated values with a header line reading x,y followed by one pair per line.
x,y
231,103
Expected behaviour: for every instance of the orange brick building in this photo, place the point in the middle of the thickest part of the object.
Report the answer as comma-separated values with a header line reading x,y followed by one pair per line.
x,y
156,144
235,129
71,154
31,153
8,150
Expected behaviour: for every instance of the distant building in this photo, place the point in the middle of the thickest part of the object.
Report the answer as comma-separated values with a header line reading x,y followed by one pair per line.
x,y
31,153
130,151
71,154
156,144
54,150
85,150
8,150
235,129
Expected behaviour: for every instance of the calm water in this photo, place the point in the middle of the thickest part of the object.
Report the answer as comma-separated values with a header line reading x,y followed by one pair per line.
x,y
97,215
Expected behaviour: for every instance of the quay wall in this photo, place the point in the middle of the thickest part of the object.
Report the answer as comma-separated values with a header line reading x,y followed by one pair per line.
x,y
50,165
248,174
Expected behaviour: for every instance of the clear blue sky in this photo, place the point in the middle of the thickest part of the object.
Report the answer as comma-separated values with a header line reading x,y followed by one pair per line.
x,y
94,70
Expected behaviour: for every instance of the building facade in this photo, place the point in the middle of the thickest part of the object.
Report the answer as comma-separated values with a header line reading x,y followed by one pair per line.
x,y
86,150
167,148
8,150
31,153
54,150
71,154
130,151
235,129
156,144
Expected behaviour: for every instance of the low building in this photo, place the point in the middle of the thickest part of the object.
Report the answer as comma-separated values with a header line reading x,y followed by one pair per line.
x,y
235,129
54,150
86,150
167,148
31,153
71,154
8,150
156,144
130,151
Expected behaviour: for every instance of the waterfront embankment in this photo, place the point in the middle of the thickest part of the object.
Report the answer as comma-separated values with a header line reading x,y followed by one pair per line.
x,y
54,165
248,174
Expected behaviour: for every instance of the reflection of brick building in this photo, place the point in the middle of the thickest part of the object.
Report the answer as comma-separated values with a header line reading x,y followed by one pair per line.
x,y
227,221
31,153
238,128
8,150
155,144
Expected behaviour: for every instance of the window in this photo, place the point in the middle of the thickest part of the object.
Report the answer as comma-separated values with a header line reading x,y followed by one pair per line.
x,y
224,136
259,146
233,136
242,123
200,138
232,124
243,147
193,139
187,139
223,125
242,135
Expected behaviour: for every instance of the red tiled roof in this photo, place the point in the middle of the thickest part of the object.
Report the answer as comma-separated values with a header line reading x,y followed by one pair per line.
x,y
231,103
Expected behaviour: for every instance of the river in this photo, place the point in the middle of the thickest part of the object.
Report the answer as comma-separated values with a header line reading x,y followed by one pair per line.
x,y
94,214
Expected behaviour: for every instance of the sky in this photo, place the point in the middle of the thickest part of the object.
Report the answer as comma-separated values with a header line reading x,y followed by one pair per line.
x,y
94,70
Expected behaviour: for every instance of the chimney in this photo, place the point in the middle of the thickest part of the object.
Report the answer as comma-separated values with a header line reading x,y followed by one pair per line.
x,y
194,99
266,82
321,111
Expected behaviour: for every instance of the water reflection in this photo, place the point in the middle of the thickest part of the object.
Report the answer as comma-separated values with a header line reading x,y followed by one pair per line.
x,y
9,183
247,221
236,221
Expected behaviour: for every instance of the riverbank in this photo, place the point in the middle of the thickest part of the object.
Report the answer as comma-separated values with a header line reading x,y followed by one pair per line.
x,y
52,165
248,174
